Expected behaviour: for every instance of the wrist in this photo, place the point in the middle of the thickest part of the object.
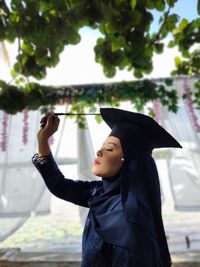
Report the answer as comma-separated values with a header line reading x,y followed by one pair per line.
x,y
44,154
43,139
44,150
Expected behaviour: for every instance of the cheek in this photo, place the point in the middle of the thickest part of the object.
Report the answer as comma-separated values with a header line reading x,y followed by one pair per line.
x,y
112,164
108,167
112,161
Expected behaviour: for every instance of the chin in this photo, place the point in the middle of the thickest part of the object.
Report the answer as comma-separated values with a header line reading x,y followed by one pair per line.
x,y
96,172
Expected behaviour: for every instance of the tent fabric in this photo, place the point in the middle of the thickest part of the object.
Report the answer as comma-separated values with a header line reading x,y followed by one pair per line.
x,y
23,193
183,164
86,157
21,190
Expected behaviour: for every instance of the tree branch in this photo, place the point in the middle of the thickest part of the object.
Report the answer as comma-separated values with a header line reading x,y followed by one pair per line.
x,y
157,37
19,36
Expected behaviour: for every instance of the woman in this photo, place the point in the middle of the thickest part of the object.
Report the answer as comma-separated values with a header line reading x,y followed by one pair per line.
x,y
124,226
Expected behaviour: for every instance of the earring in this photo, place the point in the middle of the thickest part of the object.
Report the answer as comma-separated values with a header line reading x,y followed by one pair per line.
x,y
122,159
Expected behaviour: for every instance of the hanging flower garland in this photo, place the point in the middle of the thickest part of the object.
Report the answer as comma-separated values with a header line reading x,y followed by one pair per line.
x,y
25,127
189,103
15,98
4,133
156,109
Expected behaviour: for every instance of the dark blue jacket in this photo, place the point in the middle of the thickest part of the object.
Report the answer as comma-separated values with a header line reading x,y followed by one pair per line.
x,y
95,251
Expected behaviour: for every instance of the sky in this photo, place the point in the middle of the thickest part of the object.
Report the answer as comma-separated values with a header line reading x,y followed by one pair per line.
x,y
185,9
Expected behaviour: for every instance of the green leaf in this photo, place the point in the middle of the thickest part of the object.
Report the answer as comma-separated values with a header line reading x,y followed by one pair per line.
x,y
2,84
178,61
17,67
109,71
27,48
13,73
198,7
159,48
73,37
186,53
53,12
136,17
171,44
176,31
98,119
150,4
171,2
197,23
160,5
138,74
117,43
168,82
109,28
133,3
183,24
45,6
118,2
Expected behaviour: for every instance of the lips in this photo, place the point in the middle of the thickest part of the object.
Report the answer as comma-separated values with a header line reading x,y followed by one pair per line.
x,y
96,162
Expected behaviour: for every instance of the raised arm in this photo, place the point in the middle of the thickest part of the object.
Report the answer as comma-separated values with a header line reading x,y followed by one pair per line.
x,y
51,126
77,192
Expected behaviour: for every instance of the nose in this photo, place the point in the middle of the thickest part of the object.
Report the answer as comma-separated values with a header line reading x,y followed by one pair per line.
x,y
99,153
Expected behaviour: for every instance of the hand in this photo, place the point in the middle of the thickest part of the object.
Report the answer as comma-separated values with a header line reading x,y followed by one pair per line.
x,y
50,125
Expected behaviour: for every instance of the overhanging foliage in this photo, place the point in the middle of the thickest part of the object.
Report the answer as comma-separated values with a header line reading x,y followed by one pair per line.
x,y
139,93
43,29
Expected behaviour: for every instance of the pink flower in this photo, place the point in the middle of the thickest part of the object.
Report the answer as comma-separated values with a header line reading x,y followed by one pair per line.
x,y
4,133
156,108
190,107
25,127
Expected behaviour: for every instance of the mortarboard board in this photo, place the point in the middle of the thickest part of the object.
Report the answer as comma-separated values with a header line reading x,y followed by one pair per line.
x,y
137,129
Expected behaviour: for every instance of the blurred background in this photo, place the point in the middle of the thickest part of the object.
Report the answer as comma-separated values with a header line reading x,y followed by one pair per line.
x,y
31,218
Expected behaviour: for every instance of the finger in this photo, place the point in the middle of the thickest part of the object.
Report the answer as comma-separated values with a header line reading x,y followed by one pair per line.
x,y
55,122
43,121
56,119
49,120
45,116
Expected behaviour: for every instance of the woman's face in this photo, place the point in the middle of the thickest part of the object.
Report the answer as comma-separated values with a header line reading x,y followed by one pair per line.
x,y
109,158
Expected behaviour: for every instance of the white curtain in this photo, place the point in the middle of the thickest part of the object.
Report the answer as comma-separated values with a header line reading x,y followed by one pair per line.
x,y
86,157
184,164
22,192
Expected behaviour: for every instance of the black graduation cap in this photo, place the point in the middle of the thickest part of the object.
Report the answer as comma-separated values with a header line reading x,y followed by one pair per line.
x,y
137,130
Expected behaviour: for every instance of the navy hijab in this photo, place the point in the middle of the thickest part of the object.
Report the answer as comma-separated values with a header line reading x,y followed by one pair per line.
x,y
127,210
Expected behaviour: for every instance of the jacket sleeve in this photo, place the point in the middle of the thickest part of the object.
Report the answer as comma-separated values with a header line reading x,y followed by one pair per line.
x,y
75,191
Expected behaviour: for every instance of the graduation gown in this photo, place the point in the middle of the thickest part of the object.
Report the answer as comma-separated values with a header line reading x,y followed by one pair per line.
x,y
96,252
